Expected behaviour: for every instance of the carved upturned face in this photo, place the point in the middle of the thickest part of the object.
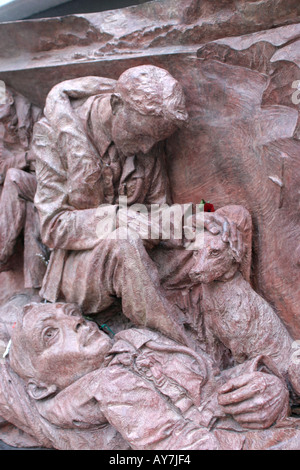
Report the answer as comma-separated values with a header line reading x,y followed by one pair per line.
x,y
60,344
135,133
214,261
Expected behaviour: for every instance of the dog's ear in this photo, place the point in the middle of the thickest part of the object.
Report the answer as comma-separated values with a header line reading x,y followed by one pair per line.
x,y
237,246
116,103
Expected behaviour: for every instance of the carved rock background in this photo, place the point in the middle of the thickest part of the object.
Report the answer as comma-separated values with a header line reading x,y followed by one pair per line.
x,y
242,147
242,143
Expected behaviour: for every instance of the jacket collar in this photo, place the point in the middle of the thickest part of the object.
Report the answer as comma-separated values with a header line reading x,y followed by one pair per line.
x,y
100,128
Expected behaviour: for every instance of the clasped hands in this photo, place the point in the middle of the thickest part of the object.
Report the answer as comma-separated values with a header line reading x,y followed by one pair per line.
x,y
255,400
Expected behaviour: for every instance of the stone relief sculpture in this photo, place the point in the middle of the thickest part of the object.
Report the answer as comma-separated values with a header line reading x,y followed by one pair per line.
x,y
192,352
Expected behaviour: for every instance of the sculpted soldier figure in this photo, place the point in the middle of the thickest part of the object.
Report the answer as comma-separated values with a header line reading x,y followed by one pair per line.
x,y
138,389
101,139
18,186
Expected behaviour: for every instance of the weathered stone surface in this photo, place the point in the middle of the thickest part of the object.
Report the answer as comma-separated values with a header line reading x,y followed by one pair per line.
x,y
44,52
245,126
238,65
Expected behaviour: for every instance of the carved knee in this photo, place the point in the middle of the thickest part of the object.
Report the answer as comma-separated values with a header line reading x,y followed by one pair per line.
x,y
13,175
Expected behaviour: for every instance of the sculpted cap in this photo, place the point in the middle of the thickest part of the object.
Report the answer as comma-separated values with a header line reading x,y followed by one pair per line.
x,y
151,90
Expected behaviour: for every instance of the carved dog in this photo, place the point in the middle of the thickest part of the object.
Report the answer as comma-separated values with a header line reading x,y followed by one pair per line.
x,y
234,313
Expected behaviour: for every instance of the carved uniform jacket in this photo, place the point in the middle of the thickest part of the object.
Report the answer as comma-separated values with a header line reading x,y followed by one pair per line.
x,y
155,393
78,168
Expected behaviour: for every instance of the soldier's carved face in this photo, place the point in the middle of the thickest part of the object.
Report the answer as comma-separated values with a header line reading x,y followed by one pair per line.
x,y
133,132
63,345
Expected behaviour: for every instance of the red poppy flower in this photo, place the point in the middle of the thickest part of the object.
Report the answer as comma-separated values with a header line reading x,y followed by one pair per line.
x,y
208,207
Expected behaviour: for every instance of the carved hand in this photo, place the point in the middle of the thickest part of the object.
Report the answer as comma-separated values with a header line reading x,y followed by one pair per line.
x,y
216,223
138,224
255,400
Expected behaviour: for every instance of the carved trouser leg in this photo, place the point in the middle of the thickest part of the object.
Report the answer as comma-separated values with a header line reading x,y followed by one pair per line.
x,y
19,188
121,268
35,252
